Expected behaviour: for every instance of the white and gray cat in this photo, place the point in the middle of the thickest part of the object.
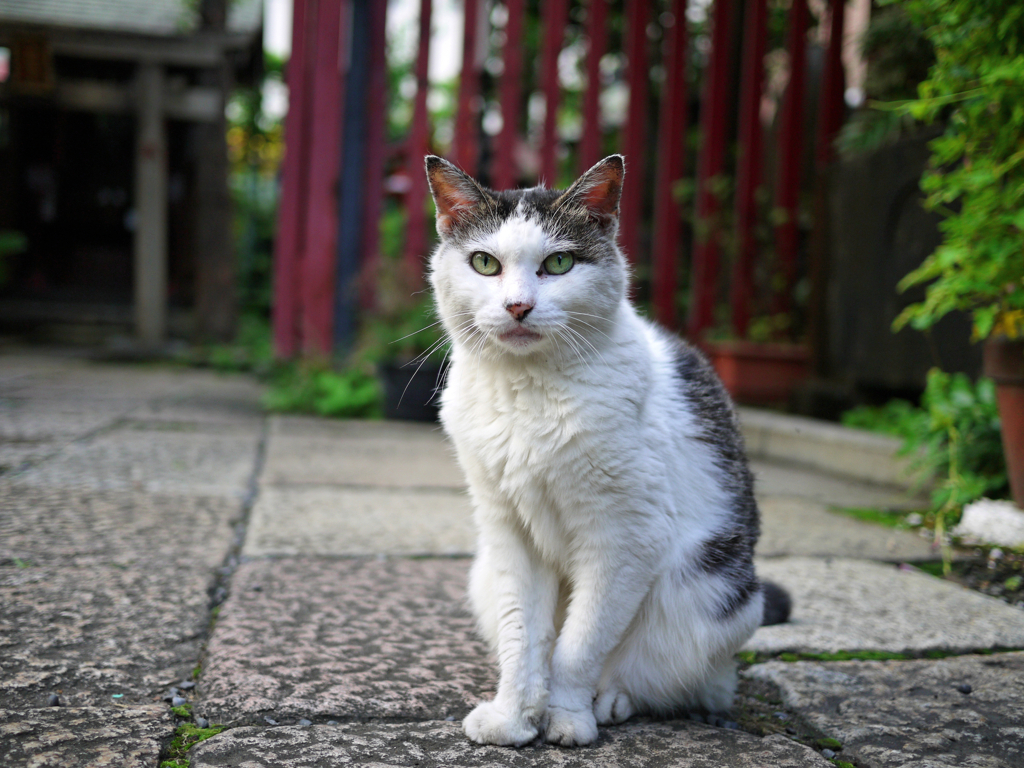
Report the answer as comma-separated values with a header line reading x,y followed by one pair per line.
x,y
615,508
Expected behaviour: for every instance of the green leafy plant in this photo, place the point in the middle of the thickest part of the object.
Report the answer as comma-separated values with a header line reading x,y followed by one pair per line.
x,y
316,389
185,737
975,177
898,57
954,440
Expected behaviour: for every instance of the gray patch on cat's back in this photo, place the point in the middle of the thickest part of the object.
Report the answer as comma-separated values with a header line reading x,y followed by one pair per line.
x,y
729,553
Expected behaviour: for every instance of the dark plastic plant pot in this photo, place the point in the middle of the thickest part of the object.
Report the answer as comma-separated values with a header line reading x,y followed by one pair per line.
x,y
411,394
1003,362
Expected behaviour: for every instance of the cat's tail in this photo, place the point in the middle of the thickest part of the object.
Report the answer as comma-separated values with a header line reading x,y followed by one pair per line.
x,y
777,604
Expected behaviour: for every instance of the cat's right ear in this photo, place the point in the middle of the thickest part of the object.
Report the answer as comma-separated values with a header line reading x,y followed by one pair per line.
x,y
598,191
456,196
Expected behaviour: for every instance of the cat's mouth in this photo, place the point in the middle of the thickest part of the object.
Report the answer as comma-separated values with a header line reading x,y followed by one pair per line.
x,y
519,336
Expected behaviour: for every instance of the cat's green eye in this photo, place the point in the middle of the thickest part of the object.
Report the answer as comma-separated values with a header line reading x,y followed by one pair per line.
x,y
485,264
558,263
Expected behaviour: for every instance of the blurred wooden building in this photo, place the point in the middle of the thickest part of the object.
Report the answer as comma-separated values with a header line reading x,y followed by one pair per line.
x,y
113,163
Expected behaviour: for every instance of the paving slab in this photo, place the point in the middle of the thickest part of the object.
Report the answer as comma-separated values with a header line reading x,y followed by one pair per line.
x,y
91,633
855,605
779,479
900,714
153,460
26,420
675,744
59,527
328,520
348,639
825,446
792,526
385,454
59,737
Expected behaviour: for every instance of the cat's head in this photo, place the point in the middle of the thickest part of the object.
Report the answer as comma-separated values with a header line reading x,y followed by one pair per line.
x,y
527,271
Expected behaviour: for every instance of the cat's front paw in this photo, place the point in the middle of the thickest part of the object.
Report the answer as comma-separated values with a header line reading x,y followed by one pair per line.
x,y
613,706
571,728
490,724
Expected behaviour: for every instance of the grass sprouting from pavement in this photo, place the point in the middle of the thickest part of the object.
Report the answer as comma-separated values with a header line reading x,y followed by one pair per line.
x,y
185,737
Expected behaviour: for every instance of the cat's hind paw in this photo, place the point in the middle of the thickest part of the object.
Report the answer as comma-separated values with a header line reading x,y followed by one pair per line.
x,y
490,724
571,728
612,707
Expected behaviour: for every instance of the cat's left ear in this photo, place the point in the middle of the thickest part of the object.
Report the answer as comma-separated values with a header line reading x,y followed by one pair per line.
x,y
598,191
457,197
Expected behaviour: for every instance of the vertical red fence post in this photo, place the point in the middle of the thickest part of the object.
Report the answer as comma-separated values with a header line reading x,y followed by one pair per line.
x,y
634,134
787,232
465,151
321,222
556,13
831,103
672,126
290,242
749,165
506,169
711,164
416,148
831,108
373,188
597,44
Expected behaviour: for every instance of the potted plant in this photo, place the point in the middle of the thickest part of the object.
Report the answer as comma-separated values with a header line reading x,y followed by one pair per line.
x,y
976,181
764,368
408,344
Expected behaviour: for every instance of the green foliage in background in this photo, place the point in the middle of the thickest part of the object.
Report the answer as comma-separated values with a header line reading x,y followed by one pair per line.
x,y
317,389
975,177
898,56
953,438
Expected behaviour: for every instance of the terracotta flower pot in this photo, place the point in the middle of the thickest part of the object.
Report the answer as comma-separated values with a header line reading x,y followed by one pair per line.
x,y
1003,362
757,373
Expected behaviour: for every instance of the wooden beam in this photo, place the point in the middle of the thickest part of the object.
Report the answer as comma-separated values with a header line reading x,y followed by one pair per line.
x,y
150,242
597,43
416,147
556,14
634,133
195,103
791,140
321,252
711,164
749,165
466,145
672,127
291,232
506,168
205,50
376,127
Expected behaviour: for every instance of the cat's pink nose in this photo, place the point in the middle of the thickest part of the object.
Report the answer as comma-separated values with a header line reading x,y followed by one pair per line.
x,y
519,311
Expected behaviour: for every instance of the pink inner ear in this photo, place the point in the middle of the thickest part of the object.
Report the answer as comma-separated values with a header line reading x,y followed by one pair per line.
x,y
602,195
454,198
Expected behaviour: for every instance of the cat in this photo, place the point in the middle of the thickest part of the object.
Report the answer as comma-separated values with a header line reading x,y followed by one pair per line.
x,y
611,492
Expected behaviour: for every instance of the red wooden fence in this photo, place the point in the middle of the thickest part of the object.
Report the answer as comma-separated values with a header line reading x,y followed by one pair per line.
x,y
662,246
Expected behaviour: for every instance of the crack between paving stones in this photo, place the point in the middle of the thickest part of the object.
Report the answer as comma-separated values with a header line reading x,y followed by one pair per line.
x,y
27,464
220,589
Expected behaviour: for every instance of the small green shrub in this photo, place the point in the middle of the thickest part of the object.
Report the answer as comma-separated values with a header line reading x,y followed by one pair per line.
x,y
954,437
954,440
306,388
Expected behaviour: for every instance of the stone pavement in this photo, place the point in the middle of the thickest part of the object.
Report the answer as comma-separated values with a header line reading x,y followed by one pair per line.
x,y
302,582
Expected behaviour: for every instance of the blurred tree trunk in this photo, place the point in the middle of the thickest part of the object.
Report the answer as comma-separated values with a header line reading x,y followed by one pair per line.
x,y
216,308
